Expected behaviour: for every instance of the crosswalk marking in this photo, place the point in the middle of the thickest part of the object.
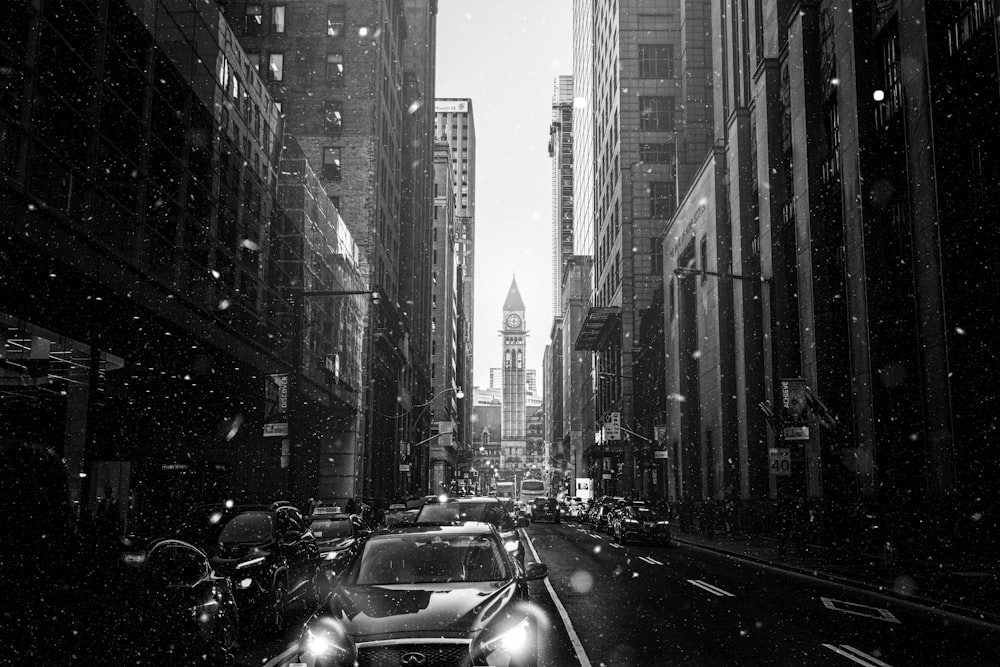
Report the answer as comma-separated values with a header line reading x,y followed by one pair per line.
x,y
651,561
859,609
714,590
856,655
617,546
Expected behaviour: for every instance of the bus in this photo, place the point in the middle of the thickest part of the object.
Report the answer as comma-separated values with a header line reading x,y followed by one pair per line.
x,y
531,489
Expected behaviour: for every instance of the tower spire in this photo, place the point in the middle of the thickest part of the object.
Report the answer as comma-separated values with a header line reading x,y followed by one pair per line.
x,y
514,301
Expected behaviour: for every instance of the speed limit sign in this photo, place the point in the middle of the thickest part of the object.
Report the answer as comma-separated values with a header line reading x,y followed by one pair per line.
x,y
779,461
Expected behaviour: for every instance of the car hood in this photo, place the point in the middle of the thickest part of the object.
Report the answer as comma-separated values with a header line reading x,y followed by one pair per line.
x,y
453,609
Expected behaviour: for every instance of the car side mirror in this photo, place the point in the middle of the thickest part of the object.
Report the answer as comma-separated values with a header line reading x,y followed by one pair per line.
x,y
523,522
535,571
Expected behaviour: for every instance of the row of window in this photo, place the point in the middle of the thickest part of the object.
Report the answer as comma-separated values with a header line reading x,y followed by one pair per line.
x,y
258,19
275,70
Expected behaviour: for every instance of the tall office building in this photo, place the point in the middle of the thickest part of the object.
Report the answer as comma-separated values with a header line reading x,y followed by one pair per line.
x,y
561,152
336,71
445,348
455,125
630,122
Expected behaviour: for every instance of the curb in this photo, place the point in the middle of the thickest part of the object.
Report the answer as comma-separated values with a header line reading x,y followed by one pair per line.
x,y
979,615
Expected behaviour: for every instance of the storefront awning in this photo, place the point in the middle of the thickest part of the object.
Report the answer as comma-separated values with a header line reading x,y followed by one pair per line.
x,y
596,326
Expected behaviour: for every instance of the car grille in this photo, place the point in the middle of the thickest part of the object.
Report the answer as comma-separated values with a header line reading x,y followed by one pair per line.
x,y
435,655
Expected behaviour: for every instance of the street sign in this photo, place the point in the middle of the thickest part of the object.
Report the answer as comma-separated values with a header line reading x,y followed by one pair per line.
x,y
779,461
661,454
606,475
404,467
612,426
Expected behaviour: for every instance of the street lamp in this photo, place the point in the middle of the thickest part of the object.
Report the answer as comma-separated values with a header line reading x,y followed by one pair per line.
x,y
424,466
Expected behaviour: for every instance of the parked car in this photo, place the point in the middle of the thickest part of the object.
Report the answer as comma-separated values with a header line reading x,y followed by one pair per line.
x,y
477,508
546,509
267,553
339,537
177,607
419,592
642,523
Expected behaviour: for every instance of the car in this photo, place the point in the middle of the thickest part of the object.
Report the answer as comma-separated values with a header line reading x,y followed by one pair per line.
x,y
427,594
477,508
546,509
175,603
267,553
642,523
338,537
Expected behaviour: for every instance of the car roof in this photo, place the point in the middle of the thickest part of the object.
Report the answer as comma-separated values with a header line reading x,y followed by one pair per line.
x,y
463,500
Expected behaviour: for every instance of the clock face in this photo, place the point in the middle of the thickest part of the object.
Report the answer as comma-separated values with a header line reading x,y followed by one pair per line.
x,y
513,322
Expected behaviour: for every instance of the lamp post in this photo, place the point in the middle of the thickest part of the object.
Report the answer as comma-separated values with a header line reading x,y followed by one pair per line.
x,y
296,396
424,466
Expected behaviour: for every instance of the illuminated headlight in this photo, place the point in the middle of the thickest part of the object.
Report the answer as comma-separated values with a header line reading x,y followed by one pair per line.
x,y
631,522
511,546
250,563
515,640
332,555
326,639
245,583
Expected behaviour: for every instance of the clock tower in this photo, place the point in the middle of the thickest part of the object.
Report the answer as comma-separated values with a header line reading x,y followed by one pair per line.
x,y
513,440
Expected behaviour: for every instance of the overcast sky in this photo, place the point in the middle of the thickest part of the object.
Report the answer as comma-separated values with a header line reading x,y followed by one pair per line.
x,y
505,55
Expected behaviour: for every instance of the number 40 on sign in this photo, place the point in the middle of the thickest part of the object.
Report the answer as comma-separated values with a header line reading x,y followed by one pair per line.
x,y
779,461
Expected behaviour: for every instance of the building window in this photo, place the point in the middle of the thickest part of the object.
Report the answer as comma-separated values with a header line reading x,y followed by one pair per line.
x,y
656,61
662,200
335,18
333,120
253,20
278,19
335,69
331,163
703,257
656,113
656,153
656,255
276,67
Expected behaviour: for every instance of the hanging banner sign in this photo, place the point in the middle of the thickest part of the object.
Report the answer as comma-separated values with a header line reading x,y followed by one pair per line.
x,y
276,405
794,409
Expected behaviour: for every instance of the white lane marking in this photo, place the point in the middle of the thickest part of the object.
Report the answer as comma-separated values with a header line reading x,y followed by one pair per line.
x,y
651,561
859,609
574,639
617,546
284,655
596,536
714,590
856,655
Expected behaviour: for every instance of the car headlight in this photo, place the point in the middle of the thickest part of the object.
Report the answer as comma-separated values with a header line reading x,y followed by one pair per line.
x,y
245,583
515,640
511,546
326,638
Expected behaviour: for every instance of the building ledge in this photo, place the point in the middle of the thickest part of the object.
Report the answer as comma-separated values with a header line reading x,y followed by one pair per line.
x,y
598,323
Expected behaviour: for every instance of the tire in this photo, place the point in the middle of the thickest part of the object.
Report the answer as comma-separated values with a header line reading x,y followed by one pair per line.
x,y
274,613
226,639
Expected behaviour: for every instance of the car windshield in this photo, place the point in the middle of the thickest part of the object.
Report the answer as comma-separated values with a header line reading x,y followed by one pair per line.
x,y
327,528
427,558
248,528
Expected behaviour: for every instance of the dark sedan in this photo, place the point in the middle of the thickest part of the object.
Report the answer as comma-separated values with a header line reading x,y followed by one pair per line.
x,y
546,509
642,524
428,594
176,606
339,537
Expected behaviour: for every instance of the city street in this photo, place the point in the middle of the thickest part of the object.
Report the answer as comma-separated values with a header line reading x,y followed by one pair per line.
x,y
681,605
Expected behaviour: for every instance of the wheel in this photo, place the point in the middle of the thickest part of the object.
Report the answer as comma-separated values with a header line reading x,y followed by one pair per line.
x,y
226,637
274,614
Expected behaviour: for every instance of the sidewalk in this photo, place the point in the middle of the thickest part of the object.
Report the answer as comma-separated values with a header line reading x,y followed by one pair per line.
x,y
974,593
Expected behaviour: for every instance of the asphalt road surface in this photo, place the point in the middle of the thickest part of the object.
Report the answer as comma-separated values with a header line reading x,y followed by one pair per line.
x,y
611,605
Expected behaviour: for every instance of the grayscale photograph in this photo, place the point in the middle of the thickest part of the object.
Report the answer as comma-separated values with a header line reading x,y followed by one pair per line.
x,y
511,333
